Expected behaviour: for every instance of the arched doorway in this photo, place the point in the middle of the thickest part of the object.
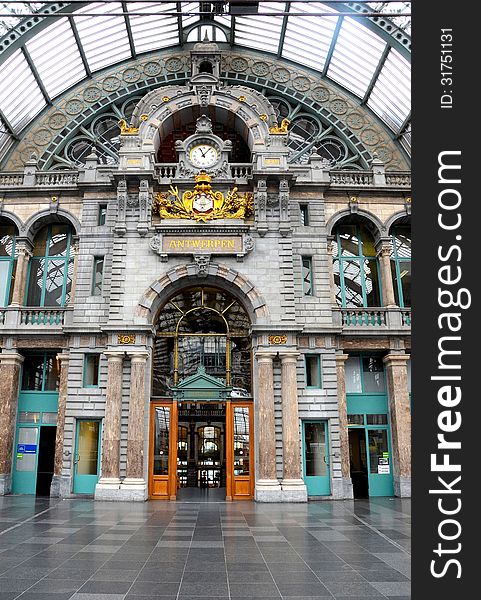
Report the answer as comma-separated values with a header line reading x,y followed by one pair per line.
x,y
201,424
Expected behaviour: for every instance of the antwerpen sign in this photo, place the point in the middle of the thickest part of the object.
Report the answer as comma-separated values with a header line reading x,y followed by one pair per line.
x,y
170,244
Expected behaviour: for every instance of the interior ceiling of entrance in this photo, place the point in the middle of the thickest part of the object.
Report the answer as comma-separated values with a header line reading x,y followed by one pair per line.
x,y
41,58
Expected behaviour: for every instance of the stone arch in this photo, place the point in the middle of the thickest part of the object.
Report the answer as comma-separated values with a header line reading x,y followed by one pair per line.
x,y
402,216
249,110
44,217
219,275
10,216
377,227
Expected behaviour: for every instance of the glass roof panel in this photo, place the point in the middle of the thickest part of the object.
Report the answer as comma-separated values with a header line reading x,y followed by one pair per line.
x,y
104,39
391,96
151,32
56,57
307,39
188,7
261,32
20,96
355,56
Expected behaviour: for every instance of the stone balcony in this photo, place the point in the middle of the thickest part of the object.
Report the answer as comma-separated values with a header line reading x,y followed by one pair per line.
x,y
241,173
372,320
35,318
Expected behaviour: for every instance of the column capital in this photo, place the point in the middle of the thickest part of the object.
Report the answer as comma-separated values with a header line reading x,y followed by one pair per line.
x,y
11,358
63,356
114,355
398,360
289,356
384,245
139,356
265,355
341,358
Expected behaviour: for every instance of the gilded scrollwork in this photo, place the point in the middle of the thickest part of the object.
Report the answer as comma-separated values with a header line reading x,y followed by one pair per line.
x,y
280,129
203,203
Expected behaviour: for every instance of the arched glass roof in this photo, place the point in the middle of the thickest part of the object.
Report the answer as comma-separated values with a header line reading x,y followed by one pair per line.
x,y
352,44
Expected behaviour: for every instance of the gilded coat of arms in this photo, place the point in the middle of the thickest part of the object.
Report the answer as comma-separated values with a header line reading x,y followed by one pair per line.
x,y
203,203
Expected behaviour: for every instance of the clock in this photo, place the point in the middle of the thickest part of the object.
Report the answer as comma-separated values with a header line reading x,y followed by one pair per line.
x,y
203,155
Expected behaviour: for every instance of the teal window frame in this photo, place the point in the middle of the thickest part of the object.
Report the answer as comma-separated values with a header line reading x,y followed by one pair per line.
x,y
47,259
362,259
11,260
319,371
360,356
102,215
93,289
396,261
307,284
88,356
45,355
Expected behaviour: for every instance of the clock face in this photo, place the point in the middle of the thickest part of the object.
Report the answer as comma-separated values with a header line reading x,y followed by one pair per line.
x,y
203,155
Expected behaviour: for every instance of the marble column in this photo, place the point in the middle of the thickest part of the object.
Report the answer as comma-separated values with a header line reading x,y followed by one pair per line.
x,y
109,482
343,429
56,485
293,486
400,412
10,364
134,483
20,284
267,487
384,256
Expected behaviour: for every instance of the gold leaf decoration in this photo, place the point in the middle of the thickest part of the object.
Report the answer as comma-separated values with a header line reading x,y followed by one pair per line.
x,y
203,203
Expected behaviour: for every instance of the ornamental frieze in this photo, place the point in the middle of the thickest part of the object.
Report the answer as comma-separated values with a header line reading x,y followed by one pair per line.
x,y
328,100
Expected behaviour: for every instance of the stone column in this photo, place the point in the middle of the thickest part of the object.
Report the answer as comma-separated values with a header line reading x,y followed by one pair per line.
x,y
343,429
293,486
384,255
10,363
20,283
267,488
56,485
400,412
134,483
109,482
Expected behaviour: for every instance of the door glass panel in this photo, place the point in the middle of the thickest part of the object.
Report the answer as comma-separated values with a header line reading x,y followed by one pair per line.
x,y
378,451
355,419
88,447
373,372
161,440
241,440
27,436
376,419
315,438
353,375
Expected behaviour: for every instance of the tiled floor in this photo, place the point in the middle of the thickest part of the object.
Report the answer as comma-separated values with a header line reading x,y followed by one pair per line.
x,y
85,550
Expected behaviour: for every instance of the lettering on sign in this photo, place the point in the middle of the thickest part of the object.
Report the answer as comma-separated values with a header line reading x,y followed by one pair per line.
x,y
211,245
272,161
126,338
277,339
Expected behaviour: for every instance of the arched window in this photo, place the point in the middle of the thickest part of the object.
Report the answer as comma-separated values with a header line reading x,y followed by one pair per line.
x,y
401,264
202,327
51,267
8,262
356,268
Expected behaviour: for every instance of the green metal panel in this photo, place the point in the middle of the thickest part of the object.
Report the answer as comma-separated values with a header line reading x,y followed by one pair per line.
x,y
25,461
87,456
367,404
315,458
